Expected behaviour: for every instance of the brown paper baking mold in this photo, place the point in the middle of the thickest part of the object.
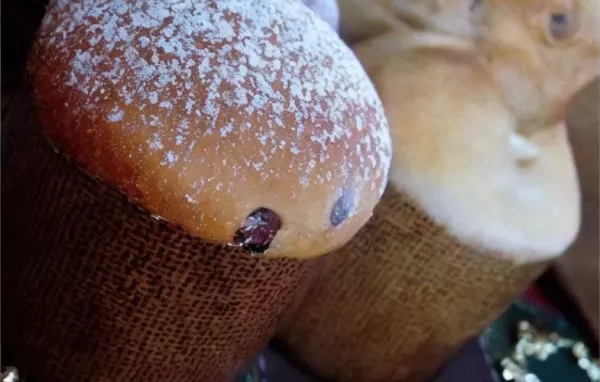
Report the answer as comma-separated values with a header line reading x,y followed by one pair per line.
x,y
95,289
400,298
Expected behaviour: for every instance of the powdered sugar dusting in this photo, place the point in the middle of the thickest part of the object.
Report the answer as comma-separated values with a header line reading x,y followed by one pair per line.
x,y
248,56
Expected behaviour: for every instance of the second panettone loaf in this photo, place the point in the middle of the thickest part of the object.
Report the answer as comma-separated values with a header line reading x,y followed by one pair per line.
x,y
483,191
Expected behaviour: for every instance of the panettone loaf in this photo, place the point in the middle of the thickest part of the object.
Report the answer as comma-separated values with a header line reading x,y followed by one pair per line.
x,y
483,191
205,111
184,165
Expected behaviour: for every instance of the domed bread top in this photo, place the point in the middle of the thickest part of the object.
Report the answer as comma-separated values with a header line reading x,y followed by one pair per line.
x,y
463,174
246,122
458,148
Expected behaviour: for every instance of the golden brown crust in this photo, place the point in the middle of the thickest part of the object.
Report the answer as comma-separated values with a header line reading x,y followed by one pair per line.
x,y
204,112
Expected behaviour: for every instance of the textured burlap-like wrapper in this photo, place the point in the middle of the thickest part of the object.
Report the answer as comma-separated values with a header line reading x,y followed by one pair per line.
x,y
95,289
400,299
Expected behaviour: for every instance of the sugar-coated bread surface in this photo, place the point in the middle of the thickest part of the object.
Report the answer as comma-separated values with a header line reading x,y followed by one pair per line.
x,y
246,122
459,109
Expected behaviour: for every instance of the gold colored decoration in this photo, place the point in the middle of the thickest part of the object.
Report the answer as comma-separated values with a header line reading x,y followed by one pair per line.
x,y
534,343
585,362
